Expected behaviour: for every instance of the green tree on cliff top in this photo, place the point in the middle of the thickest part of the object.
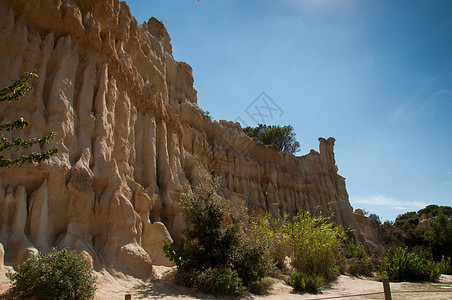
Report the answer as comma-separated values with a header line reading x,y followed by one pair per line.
x,y
283,137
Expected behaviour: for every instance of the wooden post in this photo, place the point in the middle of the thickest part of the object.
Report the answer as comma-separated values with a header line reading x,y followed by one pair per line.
x,y
387,289
128,297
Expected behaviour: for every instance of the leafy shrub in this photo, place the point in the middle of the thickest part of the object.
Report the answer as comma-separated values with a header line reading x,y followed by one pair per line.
x,y
402,265
268,229
250,259
350,249
178,254
315,244
215,231
305,283
215,241
375,218
62,274
224,281
311,242
354,259
446,265
262,287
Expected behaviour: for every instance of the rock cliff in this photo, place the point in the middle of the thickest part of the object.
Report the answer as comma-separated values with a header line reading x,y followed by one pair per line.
x,y
130,133
370,231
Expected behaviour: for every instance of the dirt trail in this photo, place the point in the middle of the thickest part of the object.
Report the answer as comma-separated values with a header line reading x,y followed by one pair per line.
x,y
346,287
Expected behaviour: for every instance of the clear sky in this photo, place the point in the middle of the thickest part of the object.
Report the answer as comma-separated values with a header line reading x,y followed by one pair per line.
x,y
376,75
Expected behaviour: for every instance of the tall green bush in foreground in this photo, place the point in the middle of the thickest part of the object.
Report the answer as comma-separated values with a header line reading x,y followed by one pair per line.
x,y
61,274
311,242
270,230
315,244
215,255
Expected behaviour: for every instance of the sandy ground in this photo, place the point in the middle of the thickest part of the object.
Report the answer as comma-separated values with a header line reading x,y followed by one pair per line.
x,y
163,287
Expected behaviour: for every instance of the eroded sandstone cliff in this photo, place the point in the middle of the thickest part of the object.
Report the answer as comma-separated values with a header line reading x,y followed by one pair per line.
x,y
130,133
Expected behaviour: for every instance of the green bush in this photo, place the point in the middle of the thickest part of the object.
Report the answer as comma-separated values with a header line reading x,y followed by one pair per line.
x,y
61,274
305,283
350,249
214,231
268,229
216,241
262,287
446,266
315,245
250,259
224,281
312,243
401,265
353,259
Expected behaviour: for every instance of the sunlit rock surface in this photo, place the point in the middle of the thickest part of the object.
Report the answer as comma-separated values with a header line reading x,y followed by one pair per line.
x,y
130,134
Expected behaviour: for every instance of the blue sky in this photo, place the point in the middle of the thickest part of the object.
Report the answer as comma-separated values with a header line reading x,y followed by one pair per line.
x,y
376,75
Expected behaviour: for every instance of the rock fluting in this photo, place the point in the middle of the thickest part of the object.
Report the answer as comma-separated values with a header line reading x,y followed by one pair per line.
x,y
130,133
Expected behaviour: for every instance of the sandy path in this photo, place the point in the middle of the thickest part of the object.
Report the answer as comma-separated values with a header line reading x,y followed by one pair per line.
x,y
346,287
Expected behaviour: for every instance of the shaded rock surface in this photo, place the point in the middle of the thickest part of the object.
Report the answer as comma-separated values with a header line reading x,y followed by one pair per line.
x,y
370,230
130,133
424,221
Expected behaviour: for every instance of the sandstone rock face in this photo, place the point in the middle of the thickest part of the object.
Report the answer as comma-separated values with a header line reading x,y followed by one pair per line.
x,y
130,133
424,221
370,231
155,236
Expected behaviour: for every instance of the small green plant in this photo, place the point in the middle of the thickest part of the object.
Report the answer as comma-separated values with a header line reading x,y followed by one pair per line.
x,y
354,259
225,281
61,274
305,283
262,287
206,113
402,265
446,265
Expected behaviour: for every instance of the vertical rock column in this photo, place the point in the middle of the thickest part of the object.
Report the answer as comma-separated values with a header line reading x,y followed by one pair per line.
x,y
327,152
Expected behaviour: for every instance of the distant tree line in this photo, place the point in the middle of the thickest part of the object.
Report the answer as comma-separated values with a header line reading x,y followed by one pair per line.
x,y
435,239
